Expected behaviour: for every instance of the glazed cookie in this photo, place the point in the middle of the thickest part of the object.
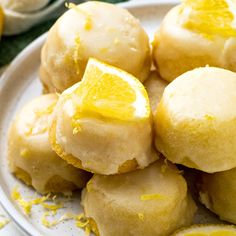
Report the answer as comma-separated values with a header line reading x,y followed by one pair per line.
x,y
93,29
195,120
30,155
218,192
152,201
207,230
196,34
103,124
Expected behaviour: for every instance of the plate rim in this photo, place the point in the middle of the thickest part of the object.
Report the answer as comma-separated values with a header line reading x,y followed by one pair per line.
x,y
25,226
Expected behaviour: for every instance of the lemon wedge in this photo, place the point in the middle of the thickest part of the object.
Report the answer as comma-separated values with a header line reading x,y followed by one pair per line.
x,y
207,230
103,123
209,18
112,93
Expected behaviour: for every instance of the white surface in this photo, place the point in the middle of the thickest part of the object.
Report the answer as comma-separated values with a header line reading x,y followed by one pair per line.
x,y
18,85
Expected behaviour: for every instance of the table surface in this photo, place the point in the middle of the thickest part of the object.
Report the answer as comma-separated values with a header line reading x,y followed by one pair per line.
x,y
11,229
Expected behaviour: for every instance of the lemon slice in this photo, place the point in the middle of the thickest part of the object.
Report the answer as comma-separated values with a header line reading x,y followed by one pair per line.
x,y
207,230
109,92
103,123
210,17
1,20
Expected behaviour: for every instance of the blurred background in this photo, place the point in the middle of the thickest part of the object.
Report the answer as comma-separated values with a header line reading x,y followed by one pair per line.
x,y
21,21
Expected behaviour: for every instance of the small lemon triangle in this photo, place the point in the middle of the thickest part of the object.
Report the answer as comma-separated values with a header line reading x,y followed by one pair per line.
x,y
109,92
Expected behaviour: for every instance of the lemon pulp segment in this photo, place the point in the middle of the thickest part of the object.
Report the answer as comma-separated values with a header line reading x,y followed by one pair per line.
x,y
209,17
108,92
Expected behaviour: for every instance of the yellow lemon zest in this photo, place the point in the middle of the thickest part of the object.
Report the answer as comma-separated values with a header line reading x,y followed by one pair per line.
x,y
47,111
77,53
83,222
26,205
49,224
52,207
209,117
141,216
77,129
24,152
155,196
40,125
3,223
87,231
88,20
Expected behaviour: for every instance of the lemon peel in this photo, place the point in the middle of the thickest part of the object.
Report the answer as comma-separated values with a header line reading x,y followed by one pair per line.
x,y
3,223
52,207
50,224
27,205
81,221
109,92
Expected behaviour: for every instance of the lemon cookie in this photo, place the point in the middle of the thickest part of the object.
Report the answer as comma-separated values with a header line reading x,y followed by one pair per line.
x,y
195,120
30,155
218,193
152,201
207,230
195,34
103,123
93,29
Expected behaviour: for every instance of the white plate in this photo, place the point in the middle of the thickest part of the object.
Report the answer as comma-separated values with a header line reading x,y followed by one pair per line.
x,y
20,84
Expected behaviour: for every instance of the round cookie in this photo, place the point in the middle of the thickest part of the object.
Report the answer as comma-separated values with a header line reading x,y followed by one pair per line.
x,y
195,34
93,29
195,120
103,124
155,87
218,193
30,155
207,230
152,201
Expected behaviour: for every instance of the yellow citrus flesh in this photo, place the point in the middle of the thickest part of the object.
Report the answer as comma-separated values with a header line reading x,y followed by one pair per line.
x,y
109,92
208,230
209,17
